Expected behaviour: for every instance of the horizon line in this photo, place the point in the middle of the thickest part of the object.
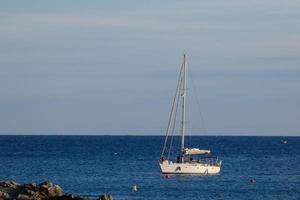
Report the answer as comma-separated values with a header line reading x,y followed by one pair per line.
x,y
146,135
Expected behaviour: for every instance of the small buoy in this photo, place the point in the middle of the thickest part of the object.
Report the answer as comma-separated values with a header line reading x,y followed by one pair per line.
x,y
115,153
134,188
252,180
284,141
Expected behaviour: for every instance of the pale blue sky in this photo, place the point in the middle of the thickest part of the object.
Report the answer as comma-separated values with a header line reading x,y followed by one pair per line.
x,y
110,67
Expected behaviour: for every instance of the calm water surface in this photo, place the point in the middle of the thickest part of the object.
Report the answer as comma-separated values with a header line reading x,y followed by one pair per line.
x,y
93,165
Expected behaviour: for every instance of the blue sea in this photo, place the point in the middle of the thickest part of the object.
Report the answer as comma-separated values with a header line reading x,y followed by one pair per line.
x,y
94,165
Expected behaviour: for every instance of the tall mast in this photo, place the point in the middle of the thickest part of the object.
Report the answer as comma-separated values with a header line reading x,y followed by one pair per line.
x,y
183,104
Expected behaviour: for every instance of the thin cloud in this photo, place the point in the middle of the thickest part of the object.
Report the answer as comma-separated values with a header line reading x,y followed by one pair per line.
x,y
22,22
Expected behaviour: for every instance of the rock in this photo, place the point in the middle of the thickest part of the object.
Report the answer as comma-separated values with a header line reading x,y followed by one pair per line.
x,y
105,197
10,190
46,184
23,197
27,191
9,184
30,185
69,197
50,190
4,195
54,191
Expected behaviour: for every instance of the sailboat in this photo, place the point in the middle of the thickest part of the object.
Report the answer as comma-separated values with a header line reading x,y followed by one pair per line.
x,y
184,160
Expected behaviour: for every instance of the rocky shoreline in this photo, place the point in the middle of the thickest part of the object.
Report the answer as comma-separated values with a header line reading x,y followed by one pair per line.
x,y
11,190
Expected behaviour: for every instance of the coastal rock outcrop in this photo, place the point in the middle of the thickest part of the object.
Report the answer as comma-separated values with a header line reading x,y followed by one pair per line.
x,y
10,190
105,197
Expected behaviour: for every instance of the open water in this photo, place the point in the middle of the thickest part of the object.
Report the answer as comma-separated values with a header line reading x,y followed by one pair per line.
x,y
93,165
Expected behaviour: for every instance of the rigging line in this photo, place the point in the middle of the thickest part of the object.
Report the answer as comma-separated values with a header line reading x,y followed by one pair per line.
x,y
198,103
171,114
190,126
189,114
174,119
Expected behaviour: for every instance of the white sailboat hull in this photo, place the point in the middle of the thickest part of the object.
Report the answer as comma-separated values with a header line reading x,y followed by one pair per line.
x,y
189,168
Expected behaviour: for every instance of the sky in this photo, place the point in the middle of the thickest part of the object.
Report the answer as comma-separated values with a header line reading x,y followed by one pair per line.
x,y
110,67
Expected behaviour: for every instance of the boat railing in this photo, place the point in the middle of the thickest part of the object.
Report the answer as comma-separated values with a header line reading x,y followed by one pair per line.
x,y
210,161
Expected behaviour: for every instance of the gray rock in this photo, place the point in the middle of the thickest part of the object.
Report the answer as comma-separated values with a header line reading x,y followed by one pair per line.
x,y
105,197
23,197
54,191
10,190
4,195
10,184
46,184
30,185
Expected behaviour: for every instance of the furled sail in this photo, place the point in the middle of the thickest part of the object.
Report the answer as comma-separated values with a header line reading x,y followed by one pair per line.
x,y
195,151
